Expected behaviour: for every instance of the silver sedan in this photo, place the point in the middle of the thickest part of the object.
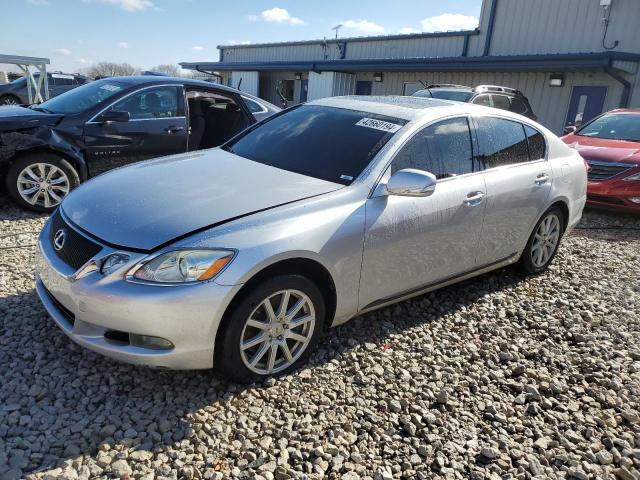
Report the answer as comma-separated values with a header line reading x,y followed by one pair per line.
x,y
239,257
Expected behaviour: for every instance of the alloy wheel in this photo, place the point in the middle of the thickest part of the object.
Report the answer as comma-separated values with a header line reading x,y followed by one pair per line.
x,y
277,332
545,240
9,101
43,184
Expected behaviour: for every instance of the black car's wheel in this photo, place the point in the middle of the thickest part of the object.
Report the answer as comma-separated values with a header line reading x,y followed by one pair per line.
x,y
271,330
9,100
40,181
543,243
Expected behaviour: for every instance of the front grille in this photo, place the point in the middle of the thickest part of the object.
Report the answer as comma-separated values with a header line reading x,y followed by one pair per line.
x,y
76,249
603,170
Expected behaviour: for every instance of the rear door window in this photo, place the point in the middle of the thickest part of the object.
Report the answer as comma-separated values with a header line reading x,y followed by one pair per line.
x,y
501,142
443,149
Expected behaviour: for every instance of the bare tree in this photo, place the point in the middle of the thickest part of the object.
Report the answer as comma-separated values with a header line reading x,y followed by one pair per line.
x,y
110,69
167,69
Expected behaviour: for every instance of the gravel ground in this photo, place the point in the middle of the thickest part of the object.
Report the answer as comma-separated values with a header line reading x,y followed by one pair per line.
x,y
498,377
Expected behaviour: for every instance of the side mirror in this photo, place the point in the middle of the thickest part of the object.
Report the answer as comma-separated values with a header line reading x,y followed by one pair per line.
x,y
569,129
114,116
411,183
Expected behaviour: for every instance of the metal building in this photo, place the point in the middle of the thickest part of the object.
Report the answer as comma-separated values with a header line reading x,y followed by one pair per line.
x,y
569,57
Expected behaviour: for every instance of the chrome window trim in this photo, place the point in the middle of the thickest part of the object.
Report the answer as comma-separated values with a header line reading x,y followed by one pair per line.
x,y
264,109
92,120
394,149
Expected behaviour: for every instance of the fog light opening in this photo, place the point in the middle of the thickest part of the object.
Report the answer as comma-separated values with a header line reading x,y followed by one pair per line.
x,y
146,341
117,336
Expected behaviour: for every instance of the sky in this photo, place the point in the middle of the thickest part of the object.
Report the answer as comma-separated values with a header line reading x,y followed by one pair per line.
x,y
76,33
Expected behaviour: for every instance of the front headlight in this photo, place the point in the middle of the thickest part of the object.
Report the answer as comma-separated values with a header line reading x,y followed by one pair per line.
x,y
634,177
181,266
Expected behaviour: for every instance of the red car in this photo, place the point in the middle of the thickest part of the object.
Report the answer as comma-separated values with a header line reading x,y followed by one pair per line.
x,y
610,144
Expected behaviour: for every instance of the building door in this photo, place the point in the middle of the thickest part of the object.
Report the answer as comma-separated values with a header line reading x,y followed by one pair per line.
x,y
586,103
304,89
363,87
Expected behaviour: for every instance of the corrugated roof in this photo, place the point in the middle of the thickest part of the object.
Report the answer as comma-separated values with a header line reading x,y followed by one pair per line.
x,y
523,63
409,36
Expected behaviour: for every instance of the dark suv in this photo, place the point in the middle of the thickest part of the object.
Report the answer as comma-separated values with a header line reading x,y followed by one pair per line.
x,y
16,93
494,96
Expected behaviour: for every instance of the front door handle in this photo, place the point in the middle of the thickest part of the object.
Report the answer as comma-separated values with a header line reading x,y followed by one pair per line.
x,y
173,129
542,179
474,199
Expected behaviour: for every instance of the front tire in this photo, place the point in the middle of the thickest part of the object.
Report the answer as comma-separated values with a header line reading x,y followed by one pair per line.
x,y
271,330
543,243
40,181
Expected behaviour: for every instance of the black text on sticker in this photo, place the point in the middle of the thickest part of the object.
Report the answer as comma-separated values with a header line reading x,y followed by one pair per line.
x,y
379,125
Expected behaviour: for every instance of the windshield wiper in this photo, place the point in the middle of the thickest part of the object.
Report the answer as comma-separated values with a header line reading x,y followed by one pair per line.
x,y
227,148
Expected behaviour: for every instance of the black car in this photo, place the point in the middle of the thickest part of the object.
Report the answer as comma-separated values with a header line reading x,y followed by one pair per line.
x,y
504,98
16,92
46,150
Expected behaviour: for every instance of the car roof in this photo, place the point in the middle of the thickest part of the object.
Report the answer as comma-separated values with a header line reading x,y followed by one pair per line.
x,y
138,80
633,111
156,79
407,108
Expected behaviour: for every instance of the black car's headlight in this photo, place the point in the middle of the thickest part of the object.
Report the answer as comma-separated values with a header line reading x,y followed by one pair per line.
x,y
182,266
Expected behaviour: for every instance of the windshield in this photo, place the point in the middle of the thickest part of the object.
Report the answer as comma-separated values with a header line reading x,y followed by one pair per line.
x,y
614,127
329,143
83,98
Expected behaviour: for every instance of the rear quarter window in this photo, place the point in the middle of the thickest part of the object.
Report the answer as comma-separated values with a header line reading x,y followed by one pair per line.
x,y
536,141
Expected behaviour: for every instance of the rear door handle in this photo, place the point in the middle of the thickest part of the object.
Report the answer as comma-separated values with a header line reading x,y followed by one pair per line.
x,y
474,199
542,179
173,129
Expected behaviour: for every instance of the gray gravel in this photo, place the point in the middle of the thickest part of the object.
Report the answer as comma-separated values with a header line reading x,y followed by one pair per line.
x,y
496,378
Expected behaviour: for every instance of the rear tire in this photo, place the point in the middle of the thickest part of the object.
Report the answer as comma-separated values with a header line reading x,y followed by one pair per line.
x,y
543,243
40,181
9,100
256,341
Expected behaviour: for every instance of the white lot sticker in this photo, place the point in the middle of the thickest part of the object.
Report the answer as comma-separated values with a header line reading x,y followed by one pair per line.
x,y
379,125
111,88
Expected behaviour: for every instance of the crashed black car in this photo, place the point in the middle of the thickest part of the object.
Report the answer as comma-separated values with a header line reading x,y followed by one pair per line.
x,y
46,150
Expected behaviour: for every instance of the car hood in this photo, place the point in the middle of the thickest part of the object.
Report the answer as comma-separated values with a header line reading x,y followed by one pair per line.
x,y
13,117
604,150
149,204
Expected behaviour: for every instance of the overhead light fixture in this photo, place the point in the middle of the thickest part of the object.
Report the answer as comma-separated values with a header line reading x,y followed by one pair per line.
x,y
556,80
378,77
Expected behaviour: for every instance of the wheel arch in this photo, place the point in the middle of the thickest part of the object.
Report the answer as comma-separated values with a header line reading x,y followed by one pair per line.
x,y
305,266
563,205
76,161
